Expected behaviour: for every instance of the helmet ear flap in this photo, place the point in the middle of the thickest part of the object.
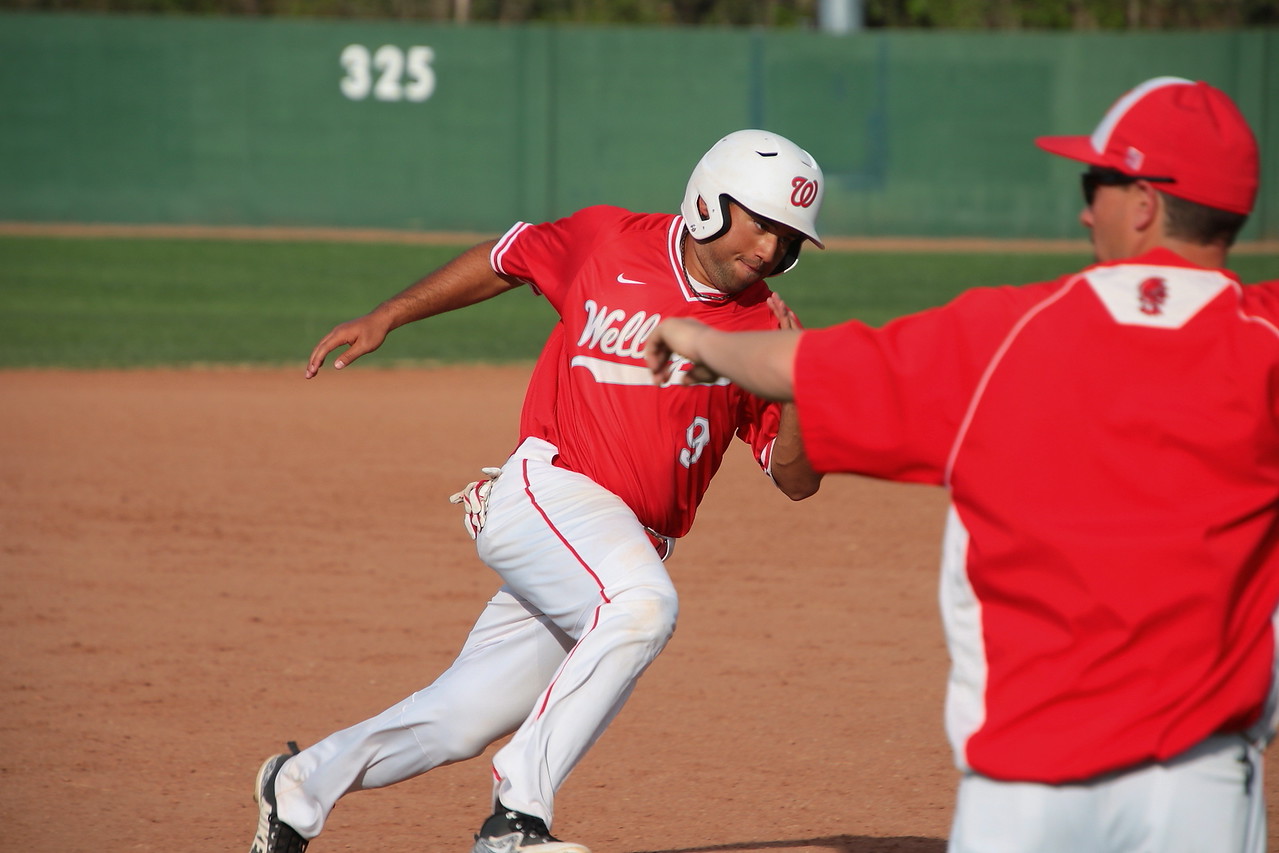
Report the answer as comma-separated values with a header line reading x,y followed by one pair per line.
x,y
788,261
716,222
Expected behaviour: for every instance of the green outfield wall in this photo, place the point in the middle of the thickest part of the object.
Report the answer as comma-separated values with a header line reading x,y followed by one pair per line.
x,y
232,121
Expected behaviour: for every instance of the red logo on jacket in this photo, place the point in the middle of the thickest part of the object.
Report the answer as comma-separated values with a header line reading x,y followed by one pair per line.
x,y
1152,294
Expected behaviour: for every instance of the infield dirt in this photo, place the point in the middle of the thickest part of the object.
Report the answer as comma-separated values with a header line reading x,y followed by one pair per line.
x,y
200,565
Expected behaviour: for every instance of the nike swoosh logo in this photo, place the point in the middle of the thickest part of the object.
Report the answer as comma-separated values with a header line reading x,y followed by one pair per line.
x,y
621,279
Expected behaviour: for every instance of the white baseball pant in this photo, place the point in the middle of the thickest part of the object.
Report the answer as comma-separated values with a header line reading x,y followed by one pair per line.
x,y
586,605
1209,799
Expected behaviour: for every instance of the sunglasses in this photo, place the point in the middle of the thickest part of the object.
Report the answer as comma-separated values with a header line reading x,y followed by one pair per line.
x,y
1095,177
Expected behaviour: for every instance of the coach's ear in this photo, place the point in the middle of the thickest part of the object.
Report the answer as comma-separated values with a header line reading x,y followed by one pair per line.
x,y
1146,207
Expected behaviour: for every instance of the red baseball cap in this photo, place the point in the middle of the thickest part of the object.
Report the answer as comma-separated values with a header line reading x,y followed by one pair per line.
x,y
1170,127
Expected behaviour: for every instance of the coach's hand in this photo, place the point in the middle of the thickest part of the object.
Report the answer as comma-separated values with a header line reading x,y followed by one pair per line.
x,y
672,348
361,335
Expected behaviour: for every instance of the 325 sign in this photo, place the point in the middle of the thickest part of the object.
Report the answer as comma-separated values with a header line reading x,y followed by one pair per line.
x,y
388,73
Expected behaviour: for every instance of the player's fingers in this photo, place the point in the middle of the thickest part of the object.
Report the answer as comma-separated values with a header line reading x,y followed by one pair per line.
x,y
360,337
656,358
701,374
334,339
360,346
370,334
661,373
659,363
657,354
322,349
786,318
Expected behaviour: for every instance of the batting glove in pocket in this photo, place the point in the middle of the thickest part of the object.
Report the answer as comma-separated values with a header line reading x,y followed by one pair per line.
x,y
475,501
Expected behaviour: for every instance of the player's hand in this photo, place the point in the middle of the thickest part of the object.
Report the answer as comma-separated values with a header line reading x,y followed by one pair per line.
x,y
786,318
361,335
672,347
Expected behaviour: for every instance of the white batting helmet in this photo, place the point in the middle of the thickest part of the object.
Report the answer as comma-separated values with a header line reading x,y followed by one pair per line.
x,y
763,172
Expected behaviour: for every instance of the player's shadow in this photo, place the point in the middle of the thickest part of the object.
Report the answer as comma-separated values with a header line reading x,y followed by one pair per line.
x,y
834,843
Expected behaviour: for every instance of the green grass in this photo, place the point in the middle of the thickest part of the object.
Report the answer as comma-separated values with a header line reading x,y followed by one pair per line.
x,y
92,303
130,303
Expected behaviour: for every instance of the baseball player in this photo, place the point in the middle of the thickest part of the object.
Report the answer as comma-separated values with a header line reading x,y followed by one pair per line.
x,y
608,473
1110,442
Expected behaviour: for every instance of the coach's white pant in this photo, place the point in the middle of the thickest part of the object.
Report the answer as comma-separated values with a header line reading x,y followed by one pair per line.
x,y
1209,799
585,607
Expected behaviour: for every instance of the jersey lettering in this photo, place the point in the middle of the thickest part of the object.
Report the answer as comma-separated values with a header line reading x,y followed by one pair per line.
x,y
601,332
698,435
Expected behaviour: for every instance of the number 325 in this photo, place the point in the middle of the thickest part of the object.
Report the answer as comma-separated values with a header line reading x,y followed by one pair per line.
x,y
389,73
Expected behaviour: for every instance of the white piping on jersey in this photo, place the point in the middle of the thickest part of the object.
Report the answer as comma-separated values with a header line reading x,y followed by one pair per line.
x,y
674,246
1250,318
765,459
694,291
499,252
991,367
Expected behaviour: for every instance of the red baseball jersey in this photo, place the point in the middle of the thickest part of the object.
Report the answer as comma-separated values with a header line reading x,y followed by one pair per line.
x,y
1110,441
612,275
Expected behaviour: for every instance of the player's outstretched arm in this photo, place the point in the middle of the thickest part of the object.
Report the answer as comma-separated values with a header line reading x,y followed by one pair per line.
x,y
465,280
791,471
759,362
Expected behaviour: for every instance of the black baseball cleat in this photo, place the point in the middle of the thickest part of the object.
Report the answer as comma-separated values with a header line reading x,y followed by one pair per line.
x,y
273,835
510,831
